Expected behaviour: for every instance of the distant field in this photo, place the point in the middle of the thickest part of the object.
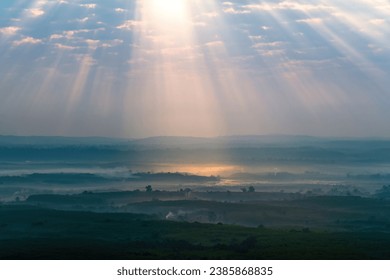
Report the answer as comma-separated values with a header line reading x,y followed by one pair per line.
x,y
276,210
30,232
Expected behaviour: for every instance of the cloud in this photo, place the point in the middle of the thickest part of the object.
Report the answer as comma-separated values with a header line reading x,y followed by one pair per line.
x,y
286,5
88,6
269,44
256,37
9,30
64,47
378,21
86,60
27,41
311,20
129,24
234,11
270,48
74,34
85,19
120,10
214,44
289,5
92,44
112,43
84,40
231,8
35,12
69,34
56,36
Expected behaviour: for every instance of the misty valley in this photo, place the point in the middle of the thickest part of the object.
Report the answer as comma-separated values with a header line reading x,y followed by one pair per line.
x,y
188,129
234,197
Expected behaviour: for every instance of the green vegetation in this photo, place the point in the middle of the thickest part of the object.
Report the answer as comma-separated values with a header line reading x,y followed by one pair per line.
x,y
272,210
33,233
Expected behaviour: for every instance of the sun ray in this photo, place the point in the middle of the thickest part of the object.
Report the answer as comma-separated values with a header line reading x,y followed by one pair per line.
x,y
176,94
192,67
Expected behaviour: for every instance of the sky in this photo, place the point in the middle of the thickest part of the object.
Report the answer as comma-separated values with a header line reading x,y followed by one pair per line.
x,y
206,68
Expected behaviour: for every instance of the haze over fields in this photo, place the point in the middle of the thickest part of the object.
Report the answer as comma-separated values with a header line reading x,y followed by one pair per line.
x,y
34,165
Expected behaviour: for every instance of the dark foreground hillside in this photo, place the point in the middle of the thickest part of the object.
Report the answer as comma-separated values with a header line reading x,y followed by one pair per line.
x,y
33,233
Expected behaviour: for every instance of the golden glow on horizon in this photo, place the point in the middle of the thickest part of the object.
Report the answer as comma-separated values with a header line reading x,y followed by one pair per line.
x,y
202,169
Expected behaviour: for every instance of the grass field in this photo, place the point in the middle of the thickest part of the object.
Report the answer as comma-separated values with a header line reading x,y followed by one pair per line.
x,y
34,233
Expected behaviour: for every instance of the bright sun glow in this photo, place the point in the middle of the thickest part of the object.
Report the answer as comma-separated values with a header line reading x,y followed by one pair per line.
x,y
169,9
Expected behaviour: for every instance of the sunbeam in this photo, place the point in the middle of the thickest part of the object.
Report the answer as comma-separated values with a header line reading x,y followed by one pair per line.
x,y
167,69
197,68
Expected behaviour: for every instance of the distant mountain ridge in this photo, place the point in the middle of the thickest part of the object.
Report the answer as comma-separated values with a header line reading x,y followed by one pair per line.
x,y
11,140
250,141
